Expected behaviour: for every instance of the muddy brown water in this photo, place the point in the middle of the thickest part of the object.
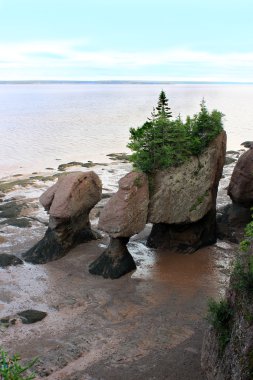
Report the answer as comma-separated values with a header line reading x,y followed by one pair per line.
x,y
148,324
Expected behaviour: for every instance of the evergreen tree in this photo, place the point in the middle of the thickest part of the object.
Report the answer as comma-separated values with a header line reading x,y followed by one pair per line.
x,y
162,109
162,142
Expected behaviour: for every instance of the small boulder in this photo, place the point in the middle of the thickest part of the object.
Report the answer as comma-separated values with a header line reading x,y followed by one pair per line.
x,y
31,316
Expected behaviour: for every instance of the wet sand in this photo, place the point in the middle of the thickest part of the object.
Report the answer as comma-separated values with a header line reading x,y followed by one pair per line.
x,y
147,325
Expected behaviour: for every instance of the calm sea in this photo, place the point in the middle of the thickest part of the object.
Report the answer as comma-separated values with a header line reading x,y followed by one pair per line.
x,y
42,125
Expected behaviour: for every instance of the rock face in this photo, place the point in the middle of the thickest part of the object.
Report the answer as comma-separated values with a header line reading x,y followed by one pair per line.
x,y
68,203
183,201
235,360
231,221
240,188
124,215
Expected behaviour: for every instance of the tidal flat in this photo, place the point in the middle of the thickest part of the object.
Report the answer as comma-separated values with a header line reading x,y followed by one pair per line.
x,y
148,324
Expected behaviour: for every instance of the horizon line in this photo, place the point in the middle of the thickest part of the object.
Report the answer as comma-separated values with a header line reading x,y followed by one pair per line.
x,y
118,81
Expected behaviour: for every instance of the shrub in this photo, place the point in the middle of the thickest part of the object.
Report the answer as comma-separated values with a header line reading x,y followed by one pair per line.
x,y
242,275
219,316
11,369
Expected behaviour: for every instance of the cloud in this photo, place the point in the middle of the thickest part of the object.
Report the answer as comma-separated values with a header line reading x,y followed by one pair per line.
x,y
49,59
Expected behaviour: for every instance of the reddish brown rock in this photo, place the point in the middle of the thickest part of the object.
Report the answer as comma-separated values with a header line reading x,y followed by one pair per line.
x,y
68,202
183,201
240,188
72,193
47,197
125,214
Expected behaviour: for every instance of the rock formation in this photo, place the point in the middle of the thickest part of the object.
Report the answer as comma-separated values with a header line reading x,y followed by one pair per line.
x,y
240,188
231,221
183,201
68,203
227,352
124,215
233,218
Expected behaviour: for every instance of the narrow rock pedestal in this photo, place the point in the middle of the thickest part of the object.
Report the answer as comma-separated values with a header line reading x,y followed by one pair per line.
x,y
124,215
58,241
115,261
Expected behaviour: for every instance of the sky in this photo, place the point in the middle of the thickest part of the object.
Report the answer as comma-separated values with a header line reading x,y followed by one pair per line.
x,y
193,40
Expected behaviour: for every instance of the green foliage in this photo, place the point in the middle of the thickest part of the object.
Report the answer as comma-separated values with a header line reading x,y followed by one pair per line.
x,y
242,276
219,316
248,237
162,142
11,369
162,110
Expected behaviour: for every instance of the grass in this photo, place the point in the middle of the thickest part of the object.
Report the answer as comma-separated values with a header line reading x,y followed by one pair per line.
x,y
220,315
12,369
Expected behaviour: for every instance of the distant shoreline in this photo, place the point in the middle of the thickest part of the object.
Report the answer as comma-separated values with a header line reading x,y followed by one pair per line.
x,y
2,82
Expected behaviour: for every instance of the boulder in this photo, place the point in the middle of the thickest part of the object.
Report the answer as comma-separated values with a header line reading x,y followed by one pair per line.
x,y
68,203
240,188
231,222
26,317
124,215
247,144
183,200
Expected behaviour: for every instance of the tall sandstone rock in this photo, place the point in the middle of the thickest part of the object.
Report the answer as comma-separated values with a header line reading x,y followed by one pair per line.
x,y
240,188
233,218
68,203
183,201
124,215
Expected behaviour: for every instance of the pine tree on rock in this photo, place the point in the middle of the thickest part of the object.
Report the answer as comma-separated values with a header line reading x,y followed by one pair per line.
x,y
162,142
163,110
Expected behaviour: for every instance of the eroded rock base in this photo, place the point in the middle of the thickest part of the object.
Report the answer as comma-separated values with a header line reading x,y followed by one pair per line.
x,y
185,238
8,260
115,261
53,246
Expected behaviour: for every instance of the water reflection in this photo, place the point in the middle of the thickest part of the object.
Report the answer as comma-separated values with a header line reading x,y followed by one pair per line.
x,y
208,268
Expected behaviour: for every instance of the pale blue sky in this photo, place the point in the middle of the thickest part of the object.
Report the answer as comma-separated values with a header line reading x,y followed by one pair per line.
x,y
126,39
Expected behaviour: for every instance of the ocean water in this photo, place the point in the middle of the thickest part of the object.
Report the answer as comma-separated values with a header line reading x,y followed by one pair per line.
x,y
42,125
